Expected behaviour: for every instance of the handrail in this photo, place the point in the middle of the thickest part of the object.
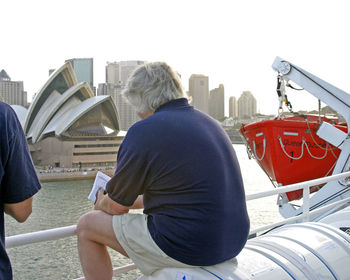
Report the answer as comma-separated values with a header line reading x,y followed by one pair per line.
x,y
302,216
40,236
63,232
298,186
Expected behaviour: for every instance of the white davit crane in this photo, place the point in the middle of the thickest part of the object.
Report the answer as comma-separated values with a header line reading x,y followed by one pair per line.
x,y
338,100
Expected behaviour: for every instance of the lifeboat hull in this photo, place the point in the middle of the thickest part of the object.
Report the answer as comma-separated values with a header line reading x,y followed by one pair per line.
x,y
289,151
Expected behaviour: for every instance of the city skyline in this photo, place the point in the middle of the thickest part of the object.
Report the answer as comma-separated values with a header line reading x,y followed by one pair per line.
x,y
209,101
232,42
116,74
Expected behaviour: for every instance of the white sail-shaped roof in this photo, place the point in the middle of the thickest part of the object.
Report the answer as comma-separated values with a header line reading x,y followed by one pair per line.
x,y
65,108
57,101
69,119
59,82
21,113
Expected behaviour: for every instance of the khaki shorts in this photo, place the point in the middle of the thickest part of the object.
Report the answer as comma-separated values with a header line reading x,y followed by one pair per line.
x,y
133,235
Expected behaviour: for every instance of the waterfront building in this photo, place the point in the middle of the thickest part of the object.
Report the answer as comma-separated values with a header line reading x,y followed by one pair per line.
x,y
67,126
232,107
199,92
4,76
246,105
126,68
84,70
12,92
112,73
127,113
117,73
217,103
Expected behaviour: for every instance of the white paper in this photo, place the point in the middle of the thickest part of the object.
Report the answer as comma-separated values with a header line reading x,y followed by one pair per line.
x,y
100,182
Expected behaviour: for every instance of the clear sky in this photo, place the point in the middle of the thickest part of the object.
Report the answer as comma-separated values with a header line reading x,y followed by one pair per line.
x,y
233,42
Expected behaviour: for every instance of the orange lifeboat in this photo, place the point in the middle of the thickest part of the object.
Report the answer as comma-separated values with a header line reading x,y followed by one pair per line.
x,y
289,151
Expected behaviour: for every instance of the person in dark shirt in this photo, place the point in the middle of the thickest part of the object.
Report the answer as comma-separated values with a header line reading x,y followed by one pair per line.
x,y
18,179
179,165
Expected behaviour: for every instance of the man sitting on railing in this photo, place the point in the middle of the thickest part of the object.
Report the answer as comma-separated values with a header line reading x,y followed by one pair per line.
x,y
184,165
18,179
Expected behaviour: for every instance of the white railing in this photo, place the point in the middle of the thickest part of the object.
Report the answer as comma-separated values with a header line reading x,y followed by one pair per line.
x,y
58,233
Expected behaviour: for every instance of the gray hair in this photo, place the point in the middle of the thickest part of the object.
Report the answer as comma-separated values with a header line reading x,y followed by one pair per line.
x,y
152,85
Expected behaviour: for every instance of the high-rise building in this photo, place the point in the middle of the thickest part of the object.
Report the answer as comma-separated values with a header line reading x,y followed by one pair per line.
x,y
199,92
117,73
127,113
126,68
112,73
217,103
246,105
4,76
84,70
12,92
232,107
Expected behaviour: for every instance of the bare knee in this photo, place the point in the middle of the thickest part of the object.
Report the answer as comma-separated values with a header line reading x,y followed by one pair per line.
x,y
84,225
95,226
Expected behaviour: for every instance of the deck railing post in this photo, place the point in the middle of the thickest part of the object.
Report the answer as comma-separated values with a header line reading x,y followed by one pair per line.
x,y
306,204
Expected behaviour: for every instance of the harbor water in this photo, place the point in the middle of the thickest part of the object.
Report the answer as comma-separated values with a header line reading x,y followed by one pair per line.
x,y
61,204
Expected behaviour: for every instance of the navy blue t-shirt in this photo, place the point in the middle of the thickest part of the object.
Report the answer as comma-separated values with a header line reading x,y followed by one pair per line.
x,y
18,179
184,164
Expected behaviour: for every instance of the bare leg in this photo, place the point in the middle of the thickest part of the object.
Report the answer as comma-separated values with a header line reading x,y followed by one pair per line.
x,y
95,232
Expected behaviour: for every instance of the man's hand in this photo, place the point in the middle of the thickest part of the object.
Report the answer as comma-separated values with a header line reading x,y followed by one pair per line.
x,y
105,204
100,193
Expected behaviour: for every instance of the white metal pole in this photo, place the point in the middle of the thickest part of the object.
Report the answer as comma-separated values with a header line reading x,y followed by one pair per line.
x,y
306,204
40,236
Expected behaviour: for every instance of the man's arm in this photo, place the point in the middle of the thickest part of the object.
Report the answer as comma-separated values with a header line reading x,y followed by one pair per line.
x,y
138,204
106,204
20,211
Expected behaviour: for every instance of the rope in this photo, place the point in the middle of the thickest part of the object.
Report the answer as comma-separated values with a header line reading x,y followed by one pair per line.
x,y
291,157
311,155
313,139
329,171
332,150
251,155
303,142
263,154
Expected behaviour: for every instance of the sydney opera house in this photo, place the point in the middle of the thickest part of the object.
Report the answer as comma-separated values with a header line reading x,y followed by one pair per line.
x,y
67,126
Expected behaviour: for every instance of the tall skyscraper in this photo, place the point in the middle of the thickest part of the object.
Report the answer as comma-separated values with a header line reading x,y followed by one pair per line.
x,y
117,74
12,92
199,92
217,103
4,76
127,113
112,73
246,105
232,107
126,68
84,70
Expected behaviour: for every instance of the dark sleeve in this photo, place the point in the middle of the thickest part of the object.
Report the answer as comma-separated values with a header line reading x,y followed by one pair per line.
x,y
129,179
20,180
